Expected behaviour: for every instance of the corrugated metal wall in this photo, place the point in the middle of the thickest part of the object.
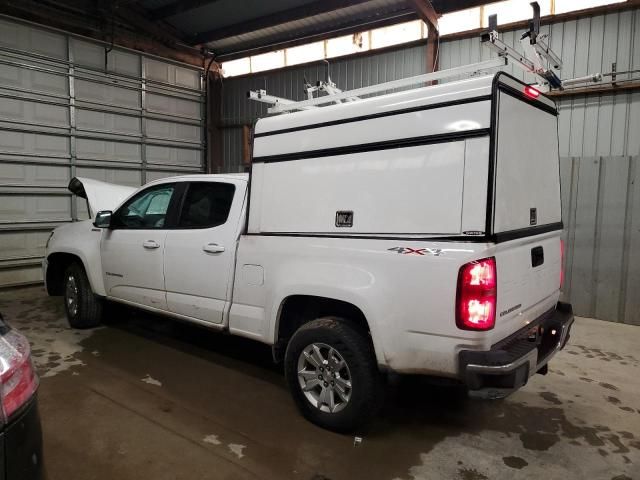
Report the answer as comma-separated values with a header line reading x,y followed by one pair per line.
x,y
599,146
346,73
64,114
601,214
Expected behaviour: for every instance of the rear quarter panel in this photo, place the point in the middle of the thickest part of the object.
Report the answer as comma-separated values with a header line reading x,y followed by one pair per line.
x,y
406,290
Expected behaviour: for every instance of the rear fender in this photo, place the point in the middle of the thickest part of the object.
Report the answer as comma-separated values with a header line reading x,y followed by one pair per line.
x,y
306,282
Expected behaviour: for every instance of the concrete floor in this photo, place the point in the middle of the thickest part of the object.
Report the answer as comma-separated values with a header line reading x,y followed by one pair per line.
x,y
146,397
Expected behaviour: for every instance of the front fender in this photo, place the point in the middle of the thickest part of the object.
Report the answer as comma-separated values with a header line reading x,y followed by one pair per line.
x,y
82,240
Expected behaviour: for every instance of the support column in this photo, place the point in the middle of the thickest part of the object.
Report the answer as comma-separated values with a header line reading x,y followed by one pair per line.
x,y
215,158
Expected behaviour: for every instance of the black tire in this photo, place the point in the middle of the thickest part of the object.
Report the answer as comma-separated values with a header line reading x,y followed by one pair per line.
x,y
85,311
366,381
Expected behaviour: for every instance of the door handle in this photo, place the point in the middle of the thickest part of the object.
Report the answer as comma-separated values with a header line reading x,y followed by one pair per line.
x,y
213,248
150,244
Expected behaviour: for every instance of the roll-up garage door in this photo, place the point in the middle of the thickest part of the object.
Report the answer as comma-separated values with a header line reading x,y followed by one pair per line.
x,y
73,107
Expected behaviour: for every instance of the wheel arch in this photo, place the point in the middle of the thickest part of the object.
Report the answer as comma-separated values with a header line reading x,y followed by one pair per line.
x,y
297,309
57,264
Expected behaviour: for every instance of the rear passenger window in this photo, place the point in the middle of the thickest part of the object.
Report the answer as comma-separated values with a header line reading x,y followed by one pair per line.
x,y
206,205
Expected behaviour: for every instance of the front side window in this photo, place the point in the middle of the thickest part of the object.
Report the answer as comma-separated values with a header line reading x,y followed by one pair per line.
x,y
206,205
147,210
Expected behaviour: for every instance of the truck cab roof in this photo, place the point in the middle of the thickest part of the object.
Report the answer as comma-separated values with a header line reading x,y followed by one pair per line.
x,y
203,177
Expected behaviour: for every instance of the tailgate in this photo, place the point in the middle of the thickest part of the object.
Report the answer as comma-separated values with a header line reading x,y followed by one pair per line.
x,y
529,271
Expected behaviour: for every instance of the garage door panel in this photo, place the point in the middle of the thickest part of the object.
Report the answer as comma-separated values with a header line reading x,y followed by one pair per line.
x,y
34,174
33,143
158,174
107,150
173,106
29,39
22,245
126,63
83,210
122,177
172,74
107,122
28,79
135,119
173,156
20,276
174,131
92,55
28,208
107,94
34,112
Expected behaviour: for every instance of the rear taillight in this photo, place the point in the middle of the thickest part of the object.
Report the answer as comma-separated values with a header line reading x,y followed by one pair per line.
x,y
561,263
18,380
476,295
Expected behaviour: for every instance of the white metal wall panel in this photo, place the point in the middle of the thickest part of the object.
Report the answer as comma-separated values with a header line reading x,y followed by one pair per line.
x,y
605,125
601,213
64,113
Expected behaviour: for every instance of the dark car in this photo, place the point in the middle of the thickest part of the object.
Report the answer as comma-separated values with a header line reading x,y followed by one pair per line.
x,y
20,434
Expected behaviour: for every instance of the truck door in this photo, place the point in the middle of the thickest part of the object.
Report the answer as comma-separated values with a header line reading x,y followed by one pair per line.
x,y
200,252
132,249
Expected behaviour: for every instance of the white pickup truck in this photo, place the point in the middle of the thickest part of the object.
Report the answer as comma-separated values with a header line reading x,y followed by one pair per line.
x,y
415,232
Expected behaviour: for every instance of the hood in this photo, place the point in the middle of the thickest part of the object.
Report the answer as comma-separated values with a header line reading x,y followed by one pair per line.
x,y
100,195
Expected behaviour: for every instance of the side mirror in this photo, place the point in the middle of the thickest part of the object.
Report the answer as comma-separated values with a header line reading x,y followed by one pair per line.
x,y
103,219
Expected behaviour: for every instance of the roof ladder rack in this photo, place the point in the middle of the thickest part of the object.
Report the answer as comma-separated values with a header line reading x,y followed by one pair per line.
x,y
280,105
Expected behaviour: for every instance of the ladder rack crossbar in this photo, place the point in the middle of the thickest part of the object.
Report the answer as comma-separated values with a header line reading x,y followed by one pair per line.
x,y
403,82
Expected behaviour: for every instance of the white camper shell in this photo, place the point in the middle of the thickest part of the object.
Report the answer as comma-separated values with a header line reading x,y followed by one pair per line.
x,y
475,159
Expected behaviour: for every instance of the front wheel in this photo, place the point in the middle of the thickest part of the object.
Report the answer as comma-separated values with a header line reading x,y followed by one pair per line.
x,y
84,309
332,372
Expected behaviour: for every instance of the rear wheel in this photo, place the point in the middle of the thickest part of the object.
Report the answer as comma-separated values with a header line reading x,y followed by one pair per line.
x,y
83,307
332,373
